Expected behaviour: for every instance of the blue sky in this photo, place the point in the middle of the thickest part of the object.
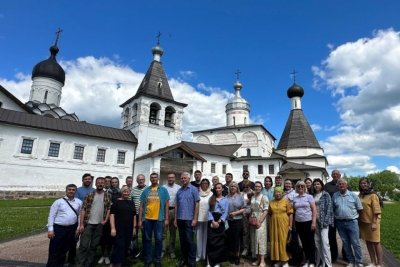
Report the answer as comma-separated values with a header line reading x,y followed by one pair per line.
x,y
346,53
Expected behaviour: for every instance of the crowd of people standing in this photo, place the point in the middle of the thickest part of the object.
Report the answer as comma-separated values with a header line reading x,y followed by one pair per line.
x,y
215,222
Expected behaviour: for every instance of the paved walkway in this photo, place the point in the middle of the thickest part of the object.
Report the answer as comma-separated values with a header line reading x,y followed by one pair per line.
x,y
32,251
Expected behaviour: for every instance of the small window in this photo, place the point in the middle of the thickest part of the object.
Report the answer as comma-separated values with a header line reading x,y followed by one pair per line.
x,y
271,169
45,96
78,152
248,152
27,146
54,150
150,146
246,168
260,169
121,157
224,169
101,155
212,167
1,104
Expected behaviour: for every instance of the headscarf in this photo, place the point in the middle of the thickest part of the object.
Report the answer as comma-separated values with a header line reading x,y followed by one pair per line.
x,y
201,191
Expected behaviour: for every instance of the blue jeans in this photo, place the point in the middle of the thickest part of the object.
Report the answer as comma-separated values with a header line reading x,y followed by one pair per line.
x,y
150,227
350,234
188,243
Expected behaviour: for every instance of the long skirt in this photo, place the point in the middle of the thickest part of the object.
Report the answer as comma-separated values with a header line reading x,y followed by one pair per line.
x,y
216,244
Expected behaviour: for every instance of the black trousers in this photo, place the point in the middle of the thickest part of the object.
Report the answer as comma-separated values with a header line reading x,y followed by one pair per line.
x,y
333,243
64,236
307,240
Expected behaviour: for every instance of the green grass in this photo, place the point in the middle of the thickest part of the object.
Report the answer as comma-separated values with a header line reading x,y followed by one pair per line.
x,y
390,230
23,217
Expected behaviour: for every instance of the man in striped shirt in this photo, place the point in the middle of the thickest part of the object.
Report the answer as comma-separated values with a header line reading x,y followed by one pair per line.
x,y
136,192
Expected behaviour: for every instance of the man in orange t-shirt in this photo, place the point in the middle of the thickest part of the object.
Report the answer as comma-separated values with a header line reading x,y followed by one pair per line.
x,y
153,216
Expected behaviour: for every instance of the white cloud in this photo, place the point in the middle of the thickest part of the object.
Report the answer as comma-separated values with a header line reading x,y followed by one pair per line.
x,y
187,74
394,169
351,163
315,127
364,76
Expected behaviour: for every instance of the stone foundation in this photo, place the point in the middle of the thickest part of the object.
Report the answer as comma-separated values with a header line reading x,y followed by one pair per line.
x,y
30,194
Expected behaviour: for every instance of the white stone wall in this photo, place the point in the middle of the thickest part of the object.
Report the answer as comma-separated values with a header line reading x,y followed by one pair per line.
x,y
301,152
256,139
237,169
8,103
39,87
38,171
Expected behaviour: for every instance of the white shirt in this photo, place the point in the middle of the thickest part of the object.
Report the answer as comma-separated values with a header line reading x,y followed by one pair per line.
x,y
204,206
62,214
172,190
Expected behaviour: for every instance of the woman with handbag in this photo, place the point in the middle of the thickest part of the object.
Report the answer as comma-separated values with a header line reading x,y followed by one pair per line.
x,y
258,223
281,213
217,216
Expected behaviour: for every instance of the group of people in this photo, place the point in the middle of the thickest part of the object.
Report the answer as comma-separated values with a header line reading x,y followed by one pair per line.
x,y
216,222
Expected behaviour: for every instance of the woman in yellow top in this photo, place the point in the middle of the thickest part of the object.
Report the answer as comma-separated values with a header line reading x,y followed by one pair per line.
x,y
281,213
369,222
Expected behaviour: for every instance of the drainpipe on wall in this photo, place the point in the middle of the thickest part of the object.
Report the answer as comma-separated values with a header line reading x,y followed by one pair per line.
x,y
134,161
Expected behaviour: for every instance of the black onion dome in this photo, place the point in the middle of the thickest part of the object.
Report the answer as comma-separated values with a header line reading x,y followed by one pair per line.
x,y
49,68
295,90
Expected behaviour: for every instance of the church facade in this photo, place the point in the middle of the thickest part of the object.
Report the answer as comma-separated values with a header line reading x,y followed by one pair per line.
x,y
42,147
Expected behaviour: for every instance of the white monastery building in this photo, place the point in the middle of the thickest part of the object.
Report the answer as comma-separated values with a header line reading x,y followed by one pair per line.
x,y
43,148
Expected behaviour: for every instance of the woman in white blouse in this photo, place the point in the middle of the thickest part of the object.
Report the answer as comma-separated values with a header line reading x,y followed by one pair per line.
x,y
205,194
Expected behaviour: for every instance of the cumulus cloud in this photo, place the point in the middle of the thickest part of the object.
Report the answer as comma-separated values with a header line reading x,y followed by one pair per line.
x,y
394,169
364,76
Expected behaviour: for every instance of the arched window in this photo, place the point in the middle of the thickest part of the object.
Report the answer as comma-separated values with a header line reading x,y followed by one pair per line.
x,y
169,120
126,117
45,96
234,120
248,152
150,146
245,120
154,113
134,112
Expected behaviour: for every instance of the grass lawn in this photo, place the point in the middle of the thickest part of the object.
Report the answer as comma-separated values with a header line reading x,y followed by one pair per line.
x,y
390,230
23,217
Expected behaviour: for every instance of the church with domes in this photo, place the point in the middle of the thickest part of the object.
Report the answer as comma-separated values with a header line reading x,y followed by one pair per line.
x,y
42,147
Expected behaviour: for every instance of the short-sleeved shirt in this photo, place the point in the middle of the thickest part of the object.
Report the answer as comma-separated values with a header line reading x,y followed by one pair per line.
x,y
135,195
290,195
162,197
186,199
346,206
235,203
371,207
302,205
83,191
172,190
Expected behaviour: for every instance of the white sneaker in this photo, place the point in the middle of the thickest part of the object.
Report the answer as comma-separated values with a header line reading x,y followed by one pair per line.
x,y
305,265
107,260
371,265
276,265
244,253
285,265
311,265
101,260
350,265
216,265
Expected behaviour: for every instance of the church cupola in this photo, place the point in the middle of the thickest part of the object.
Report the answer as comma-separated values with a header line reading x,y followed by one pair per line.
x,y
237,109
295,93
48,78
